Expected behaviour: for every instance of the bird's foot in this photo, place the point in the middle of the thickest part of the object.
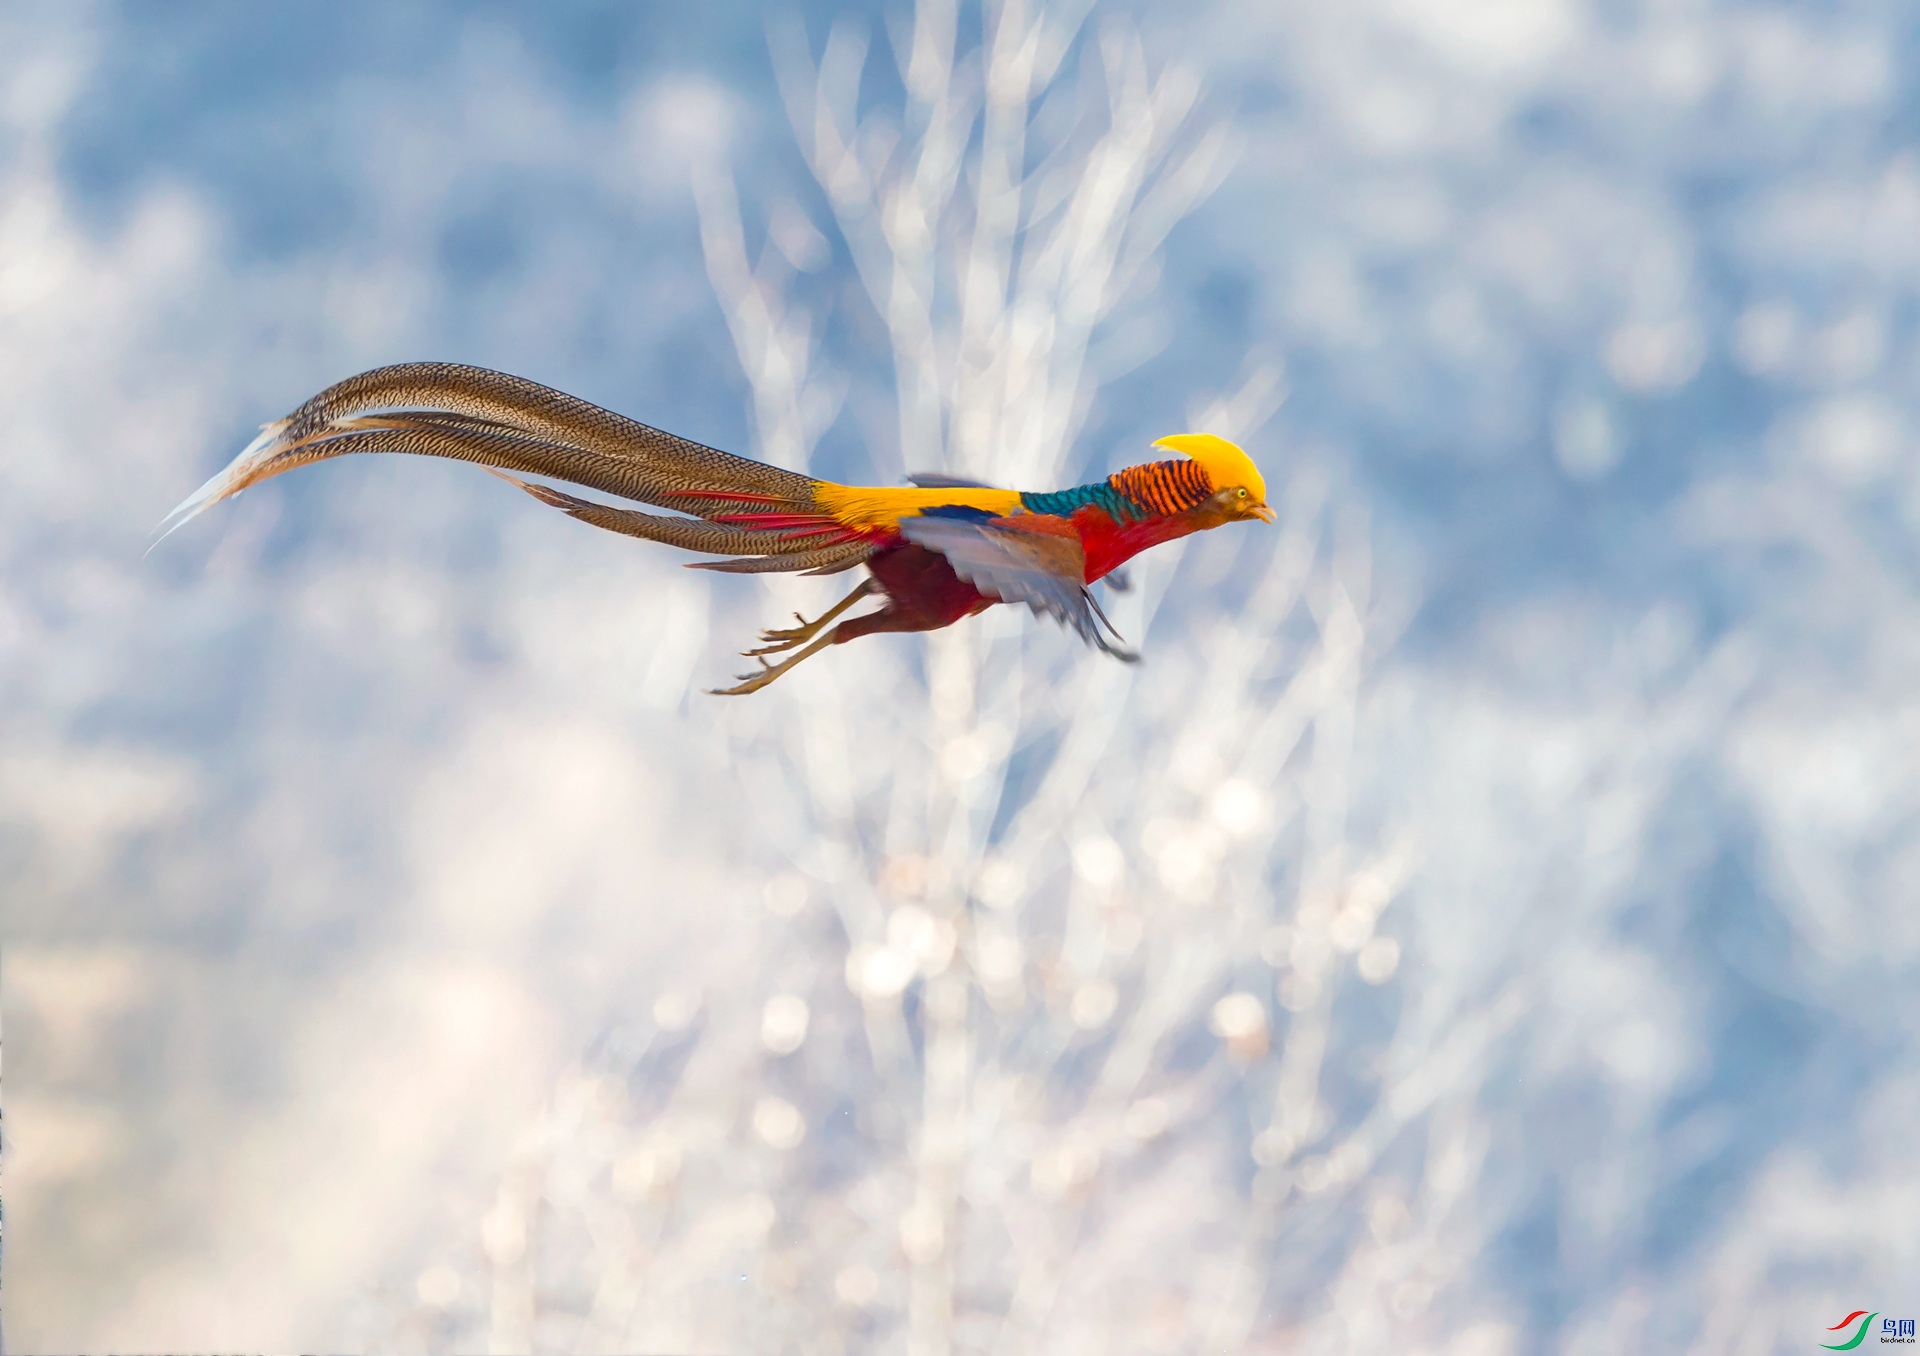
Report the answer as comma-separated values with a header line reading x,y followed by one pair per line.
x,y
753,682
781,639
750,682
777,640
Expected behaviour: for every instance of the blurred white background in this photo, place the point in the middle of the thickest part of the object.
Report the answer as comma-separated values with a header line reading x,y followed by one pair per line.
x,y
1484,924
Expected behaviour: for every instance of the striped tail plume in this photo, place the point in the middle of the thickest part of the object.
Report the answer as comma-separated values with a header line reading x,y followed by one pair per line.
x,y
508,424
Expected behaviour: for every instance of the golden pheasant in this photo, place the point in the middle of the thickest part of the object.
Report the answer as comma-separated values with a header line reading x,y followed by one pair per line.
x,y
940,551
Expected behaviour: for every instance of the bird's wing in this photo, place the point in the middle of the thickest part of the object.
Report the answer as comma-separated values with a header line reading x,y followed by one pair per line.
x,y
931,480
1044,570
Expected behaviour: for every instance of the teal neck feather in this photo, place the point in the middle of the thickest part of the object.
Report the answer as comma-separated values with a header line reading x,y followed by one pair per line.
x,y
1101,494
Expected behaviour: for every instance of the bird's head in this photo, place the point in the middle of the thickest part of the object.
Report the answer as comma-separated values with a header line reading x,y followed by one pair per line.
x,y
1239,490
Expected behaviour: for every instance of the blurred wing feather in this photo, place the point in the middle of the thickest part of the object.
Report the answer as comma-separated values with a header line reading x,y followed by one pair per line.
x,y
1045,571
929,480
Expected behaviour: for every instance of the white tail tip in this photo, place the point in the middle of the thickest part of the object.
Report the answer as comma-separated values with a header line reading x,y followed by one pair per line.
x,y
227,483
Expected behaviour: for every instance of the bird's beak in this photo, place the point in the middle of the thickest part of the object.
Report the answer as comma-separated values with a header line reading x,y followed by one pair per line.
x,y
1265,513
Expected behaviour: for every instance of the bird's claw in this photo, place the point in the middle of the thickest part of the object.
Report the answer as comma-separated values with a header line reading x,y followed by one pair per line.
x,y
778,639
781,640
749,682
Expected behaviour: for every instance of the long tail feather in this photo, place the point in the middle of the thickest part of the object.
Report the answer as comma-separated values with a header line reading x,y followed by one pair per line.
x,y
830,560
795,550
473,414
651,462
271,455
844,560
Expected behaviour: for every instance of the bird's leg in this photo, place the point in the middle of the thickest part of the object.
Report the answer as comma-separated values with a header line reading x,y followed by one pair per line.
x,y
753,682
911,612
777,641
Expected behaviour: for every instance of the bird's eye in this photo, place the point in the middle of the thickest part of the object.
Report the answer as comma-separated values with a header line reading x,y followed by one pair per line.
x,y
1242,492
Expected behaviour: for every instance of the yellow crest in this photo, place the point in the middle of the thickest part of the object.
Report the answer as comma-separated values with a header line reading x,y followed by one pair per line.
x,y
1225,464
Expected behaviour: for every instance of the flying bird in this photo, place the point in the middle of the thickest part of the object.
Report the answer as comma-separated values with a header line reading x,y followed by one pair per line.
x,y
939,551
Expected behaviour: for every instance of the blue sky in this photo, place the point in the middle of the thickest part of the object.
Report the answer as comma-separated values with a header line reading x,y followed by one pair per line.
x,y
320,826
